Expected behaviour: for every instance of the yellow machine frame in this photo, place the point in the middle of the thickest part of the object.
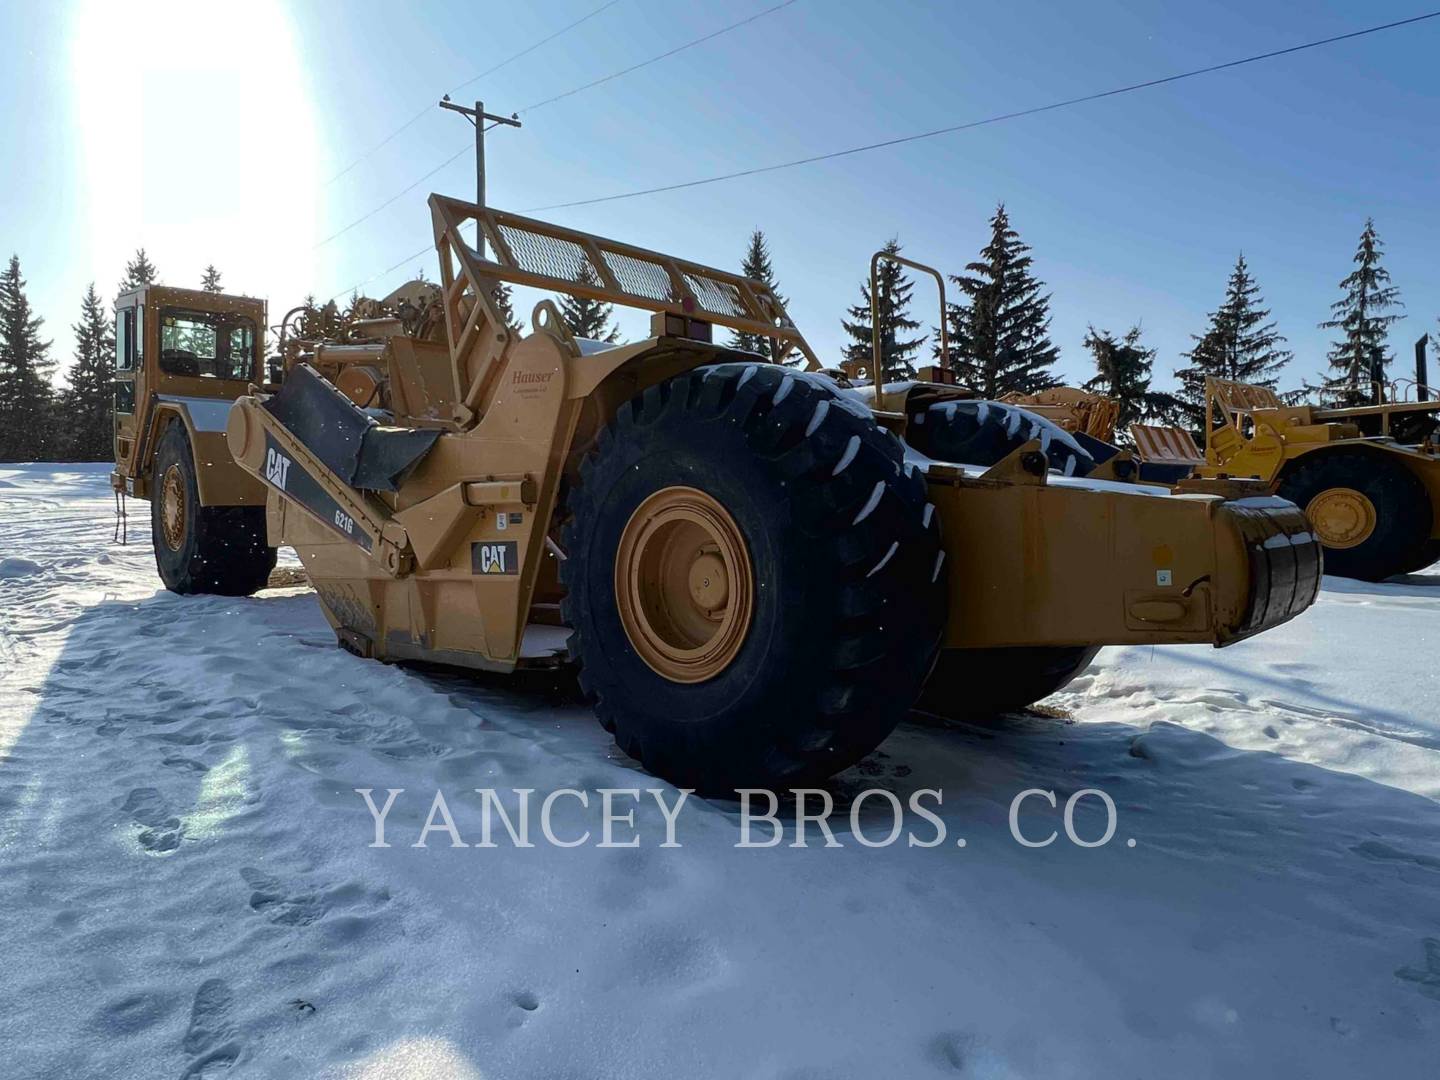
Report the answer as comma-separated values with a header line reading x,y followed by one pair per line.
x,y
395,571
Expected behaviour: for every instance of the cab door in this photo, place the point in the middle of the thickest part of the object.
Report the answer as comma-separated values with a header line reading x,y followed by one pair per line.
x,y
129,381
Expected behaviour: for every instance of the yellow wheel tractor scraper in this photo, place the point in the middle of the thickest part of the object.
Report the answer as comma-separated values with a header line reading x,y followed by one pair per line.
x,y
758,568
1367,477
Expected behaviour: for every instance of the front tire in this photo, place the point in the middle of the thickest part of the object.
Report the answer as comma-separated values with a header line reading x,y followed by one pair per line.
x,y
202,549
1371,513
765,496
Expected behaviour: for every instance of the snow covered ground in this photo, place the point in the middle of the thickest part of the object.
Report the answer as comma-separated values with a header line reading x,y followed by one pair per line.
x,y
186,886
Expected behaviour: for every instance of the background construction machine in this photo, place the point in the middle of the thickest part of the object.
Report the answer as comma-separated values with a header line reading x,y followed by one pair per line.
x,y
755,575
1372,499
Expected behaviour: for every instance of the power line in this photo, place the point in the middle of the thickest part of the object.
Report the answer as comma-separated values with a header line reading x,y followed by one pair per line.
x,y
662,56
550,101
532,48
948,130
469,82
393,198
988,120
380,274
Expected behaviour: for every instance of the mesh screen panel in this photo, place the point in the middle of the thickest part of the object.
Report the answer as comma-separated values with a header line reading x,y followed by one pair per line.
x,y
640,277
565,259
718,296
547,255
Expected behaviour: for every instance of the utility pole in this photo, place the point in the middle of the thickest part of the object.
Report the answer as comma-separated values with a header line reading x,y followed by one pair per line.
x,y
477,117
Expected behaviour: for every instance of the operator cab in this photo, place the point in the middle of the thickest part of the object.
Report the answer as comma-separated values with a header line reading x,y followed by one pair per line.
x,y
185,348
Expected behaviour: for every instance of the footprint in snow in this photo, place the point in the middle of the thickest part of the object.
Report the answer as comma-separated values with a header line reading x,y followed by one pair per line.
x,y
1383,852
672,956
161,832
957,1052
272,900
287,906
182,738
129,1013
209,1039
1427,978
950,1051
184,764
102,659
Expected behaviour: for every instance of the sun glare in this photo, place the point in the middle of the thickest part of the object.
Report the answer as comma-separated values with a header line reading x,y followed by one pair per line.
x,y
198,142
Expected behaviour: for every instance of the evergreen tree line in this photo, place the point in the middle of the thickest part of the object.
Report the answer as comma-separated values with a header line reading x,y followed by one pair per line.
x,y
999,333
38,420
998,327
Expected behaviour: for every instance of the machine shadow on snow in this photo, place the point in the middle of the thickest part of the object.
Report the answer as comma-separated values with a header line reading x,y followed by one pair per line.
x,y
111,642
1228,817
1417,585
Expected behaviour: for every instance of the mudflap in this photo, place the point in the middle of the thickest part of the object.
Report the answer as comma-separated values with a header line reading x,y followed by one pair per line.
x,y
1286,562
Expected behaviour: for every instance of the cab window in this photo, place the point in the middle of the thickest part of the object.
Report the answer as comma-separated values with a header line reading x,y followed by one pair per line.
x,y
125,339
206,344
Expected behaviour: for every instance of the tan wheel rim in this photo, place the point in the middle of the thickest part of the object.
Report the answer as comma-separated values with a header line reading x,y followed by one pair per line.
x,y
683,585
1342,517
172,507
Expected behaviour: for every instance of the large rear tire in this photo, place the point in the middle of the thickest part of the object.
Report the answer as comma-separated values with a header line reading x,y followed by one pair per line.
x,y
986,432
756,588
202,549
1371,513
979,683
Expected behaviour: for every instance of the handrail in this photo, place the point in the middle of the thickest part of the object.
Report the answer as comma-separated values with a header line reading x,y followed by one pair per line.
x,y
879,368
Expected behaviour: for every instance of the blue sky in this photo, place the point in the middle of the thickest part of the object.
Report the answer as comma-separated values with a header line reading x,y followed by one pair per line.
x,y
1135,206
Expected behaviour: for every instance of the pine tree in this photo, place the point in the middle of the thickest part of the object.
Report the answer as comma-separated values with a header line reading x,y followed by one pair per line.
x,y
26,399
210,281
1122,373
319,322
1240,344
757,266
505,301
138,271
307,316
1361,356
1000,336
588,318
88,399
896,350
